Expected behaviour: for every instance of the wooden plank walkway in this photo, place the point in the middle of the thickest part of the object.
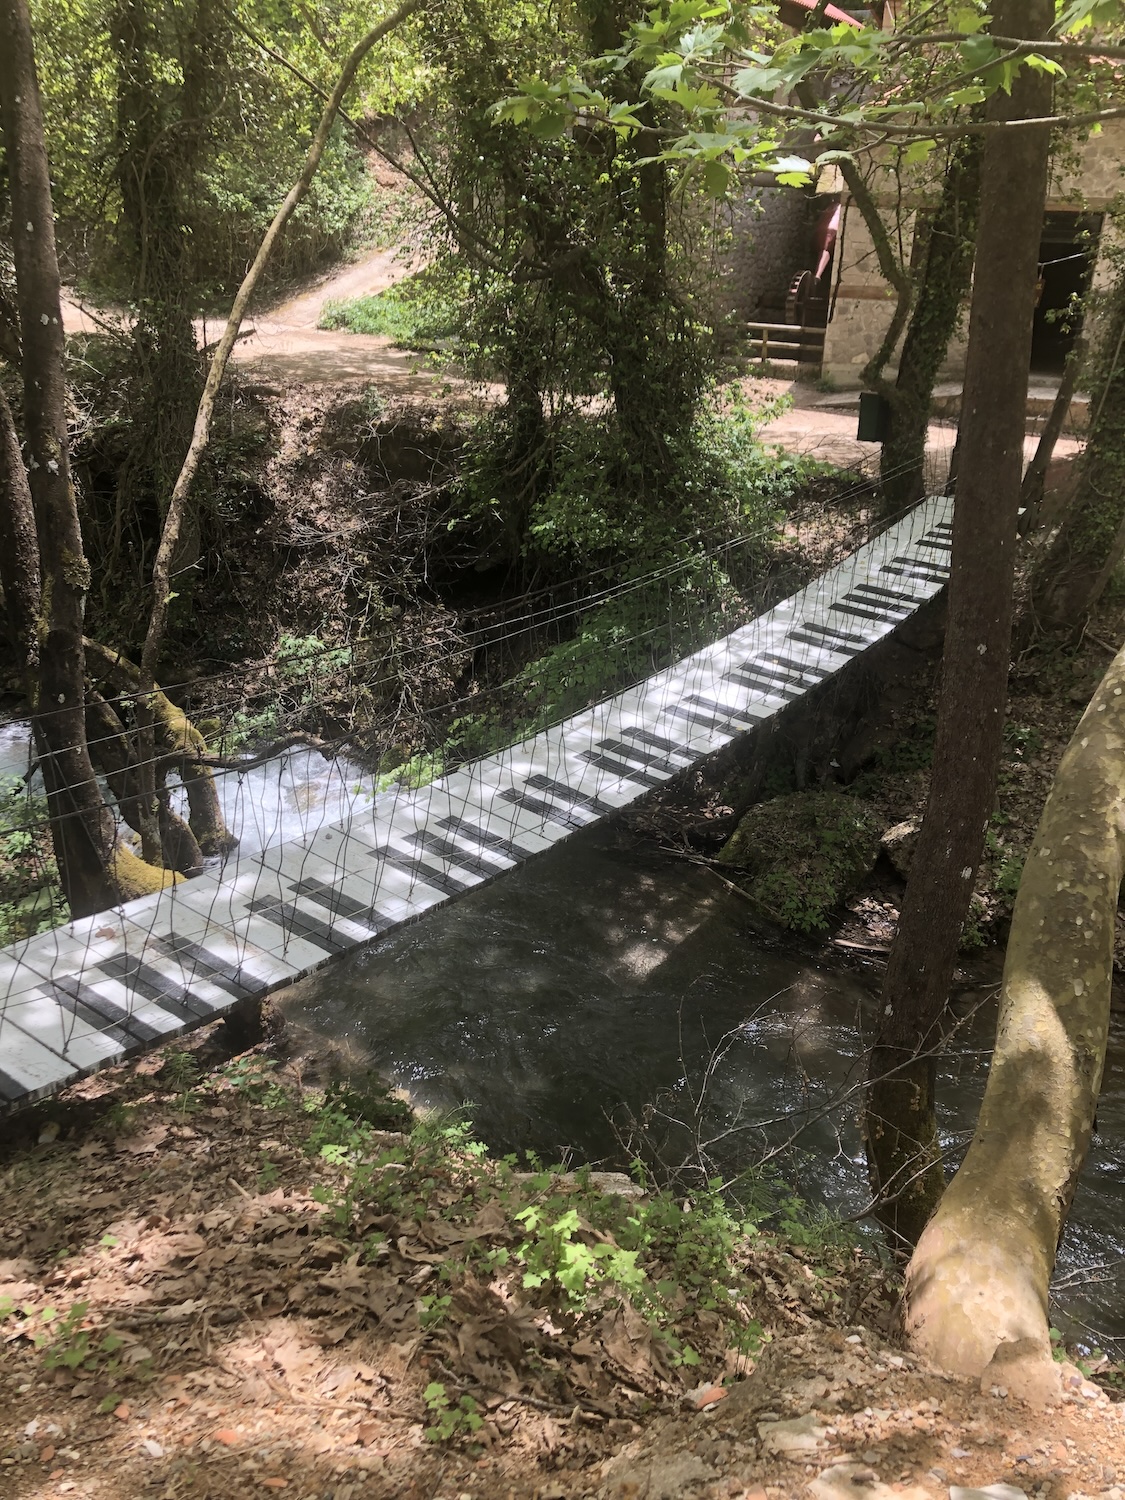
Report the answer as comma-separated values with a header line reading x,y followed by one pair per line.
x,y
96,991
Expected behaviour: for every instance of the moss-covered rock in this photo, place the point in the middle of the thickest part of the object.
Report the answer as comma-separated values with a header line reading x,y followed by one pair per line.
x,y
803,854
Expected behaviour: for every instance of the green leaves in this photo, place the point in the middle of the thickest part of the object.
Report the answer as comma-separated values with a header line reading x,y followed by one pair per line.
x,y
1082,14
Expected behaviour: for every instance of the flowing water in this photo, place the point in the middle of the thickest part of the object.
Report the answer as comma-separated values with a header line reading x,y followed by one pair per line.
x,y
567,996
597,980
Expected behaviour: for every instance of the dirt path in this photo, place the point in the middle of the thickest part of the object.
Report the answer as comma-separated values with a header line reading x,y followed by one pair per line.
x,y
287,345
284,344
824,427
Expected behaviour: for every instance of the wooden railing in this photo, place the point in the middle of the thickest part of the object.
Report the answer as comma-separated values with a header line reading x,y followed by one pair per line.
x,y
789,341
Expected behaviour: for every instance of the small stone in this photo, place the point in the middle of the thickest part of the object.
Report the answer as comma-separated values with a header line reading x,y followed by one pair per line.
x,y
793,1439
855,1482
987,1492
152,1448
705,1395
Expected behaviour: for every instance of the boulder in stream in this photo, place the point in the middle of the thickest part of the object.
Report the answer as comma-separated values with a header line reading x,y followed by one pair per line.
x,y
803,854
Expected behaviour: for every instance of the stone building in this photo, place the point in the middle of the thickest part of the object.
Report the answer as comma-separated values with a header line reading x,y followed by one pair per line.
x,y
791,261
1079,234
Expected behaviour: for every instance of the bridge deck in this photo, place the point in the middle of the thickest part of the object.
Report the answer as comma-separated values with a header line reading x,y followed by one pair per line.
x,y
99,990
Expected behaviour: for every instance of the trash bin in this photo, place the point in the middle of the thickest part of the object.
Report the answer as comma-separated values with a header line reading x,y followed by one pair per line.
x,y
874,417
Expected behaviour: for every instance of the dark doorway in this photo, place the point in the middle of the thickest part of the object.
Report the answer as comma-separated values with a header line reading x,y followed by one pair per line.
x,y
1066,258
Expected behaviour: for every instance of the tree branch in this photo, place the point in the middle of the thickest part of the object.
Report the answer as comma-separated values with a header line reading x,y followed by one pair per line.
x,y
173,521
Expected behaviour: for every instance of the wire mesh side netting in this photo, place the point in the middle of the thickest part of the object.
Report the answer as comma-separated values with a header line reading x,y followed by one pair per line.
x,y
446,792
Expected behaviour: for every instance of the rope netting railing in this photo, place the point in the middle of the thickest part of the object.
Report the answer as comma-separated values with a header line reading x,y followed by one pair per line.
x,y
411,769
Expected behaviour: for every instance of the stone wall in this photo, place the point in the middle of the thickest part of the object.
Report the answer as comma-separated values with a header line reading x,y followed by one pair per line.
x,y
771,238
1089,177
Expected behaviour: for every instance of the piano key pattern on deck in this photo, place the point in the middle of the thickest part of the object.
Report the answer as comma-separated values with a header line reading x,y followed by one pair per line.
x,y
102,989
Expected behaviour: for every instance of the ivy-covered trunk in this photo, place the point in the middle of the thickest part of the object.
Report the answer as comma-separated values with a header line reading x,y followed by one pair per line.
x,y
943,285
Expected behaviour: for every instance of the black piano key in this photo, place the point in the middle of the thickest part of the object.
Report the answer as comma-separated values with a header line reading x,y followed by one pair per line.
x,y
806,669
657,741
157,987
565,817
216,970
302,924
869,613
622,769
417,869
454,853
824,638
572,795
11,1089
465,828
905,601
103,1015
340,904
765,681
641,757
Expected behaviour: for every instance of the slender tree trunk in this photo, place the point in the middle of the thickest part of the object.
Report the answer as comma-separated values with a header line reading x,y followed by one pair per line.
x,y
201,433
19,552
902,1143
82,827
1071,576
943,286
1034,480
654,366
978,1279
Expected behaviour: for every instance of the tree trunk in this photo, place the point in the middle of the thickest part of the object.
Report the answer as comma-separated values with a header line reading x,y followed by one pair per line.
x,y
980,1274
179,746
1068,581
654,365
160,129
19,552
1035,479
943,285
113,754
902,1144
81,825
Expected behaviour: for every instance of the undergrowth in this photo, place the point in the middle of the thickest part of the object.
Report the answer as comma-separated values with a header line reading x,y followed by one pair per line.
x,y
31,898
413,313
555,1237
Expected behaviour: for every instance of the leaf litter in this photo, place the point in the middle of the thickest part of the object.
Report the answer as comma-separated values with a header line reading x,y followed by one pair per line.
x,y
197,1301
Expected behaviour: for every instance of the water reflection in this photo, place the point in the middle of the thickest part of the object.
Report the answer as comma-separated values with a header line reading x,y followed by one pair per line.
x,y
597,980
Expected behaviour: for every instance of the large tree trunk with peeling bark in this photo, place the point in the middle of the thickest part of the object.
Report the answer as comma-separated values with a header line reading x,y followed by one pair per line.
x,y
903,1150
979,1276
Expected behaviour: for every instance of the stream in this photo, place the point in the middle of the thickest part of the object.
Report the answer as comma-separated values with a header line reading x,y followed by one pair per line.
x,y
564,998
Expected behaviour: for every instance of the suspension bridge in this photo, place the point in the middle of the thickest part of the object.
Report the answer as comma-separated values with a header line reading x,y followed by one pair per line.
x,y
94,992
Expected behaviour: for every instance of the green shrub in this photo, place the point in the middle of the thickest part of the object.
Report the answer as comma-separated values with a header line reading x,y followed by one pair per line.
x,y
414,313
31,897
